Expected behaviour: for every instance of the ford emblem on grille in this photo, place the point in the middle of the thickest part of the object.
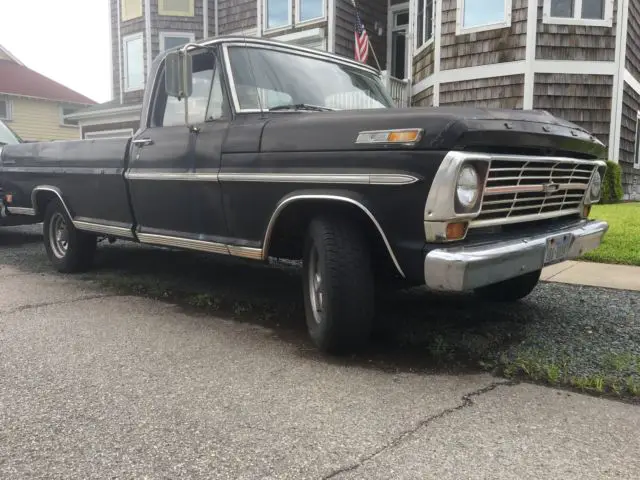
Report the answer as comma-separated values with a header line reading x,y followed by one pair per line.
x,y
549,188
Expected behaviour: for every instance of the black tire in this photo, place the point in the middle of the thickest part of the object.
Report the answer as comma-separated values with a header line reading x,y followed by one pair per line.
x,y
510,290
80,246
342,258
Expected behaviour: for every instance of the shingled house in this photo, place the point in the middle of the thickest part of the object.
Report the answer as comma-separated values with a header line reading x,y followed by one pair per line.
x,y
578,59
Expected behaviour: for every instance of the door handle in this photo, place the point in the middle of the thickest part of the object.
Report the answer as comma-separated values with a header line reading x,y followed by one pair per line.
x,y
141,142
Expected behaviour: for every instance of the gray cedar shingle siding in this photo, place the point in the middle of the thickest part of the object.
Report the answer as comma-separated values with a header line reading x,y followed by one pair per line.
x,y
164,23
633,40
423,99
574,42
370,12
423,64
582,99
234,16
482,48
631,175
496,92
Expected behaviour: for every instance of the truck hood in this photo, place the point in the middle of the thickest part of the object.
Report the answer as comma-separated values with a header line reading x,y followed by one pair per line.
x,y
445,128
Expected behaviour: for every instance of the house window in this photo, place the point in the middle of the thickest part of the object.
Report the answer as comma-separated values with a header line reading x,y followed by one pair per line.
x,y
67,110
5,108
424,22
579,12
133,62
176,8
309,10
131,9
169,40
479,15
277,14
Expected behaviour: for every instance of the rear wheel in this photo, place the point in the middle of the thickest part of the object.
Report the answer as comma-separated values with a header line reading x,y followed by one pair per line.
x,y
338,285
512,289
68,249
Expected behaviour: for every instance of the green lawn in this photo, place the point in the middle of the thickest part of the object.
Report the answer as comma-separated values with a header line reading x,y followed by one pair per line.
x,y
622,242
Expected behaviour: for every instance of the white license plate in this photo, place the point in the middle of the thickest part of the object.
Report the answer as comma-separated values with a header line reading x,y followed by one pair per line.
x,y
557,248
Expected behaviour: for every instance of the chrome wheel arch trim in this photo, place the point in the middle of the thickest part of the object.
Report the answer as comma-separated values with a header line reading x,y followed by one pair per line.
x,y
283,204
52,189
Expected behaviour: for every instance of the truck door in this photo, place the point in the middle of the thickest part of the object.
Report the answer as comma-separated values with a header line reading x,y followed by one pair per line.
x,y
173,169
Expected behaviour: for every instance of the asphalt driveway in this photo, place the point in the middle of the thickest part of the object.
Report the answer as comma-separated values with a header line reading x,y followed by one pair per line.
x,y
98,383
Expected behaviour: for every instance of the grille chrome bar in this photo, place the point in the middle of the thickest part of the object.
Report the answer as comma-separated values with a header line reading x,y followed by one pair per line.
x,y
522,189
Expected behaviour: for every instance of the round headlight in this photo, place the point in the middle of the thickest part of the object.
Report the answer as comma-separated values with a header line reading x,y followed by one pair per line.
x,y
468,187
596,185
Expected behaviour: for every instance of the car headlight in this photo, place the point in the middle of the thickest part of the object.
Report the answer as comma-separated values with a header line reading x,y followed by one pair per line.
x,y
596,186
468,187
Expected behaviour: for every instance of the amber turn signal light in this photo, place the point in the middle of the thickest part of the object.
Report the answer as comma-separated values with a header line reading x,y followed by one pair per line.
x,y
586,211
456,231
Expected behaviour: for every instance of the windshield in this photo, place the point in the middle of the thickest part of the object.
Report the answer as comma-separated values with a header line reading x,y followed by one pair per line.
x,y
286,78
7,137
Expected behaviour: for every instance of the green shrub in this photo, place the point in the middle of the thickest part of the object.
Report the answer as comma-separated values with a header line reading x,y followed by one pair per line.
x,y
612,184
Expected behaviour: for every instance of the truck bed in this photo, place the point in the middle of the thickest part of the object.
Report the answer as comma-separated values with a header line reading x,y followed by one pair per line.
x,y
89,172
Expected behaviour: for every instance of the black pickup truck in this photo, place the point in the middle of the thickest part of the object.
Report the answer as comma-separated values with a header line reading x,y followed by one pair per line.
x,y
257,149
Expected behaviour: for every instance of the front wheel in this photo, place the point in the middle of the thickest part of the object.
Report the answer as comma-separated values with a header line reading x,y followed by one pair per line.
x,y
338,285
68,249
512,289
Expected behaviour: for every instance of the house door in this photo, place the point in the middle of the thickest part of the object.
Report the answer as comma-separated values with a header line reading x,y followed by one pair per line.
x,y
398,31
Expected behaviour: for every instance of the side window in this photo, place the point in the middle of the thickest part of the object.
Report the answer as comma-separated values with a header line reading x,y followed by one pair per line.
x,y
205,103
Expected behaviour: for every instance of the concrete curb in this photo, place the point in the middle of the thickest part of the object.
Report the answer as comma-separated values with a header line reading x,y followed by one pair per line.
x,y
621,277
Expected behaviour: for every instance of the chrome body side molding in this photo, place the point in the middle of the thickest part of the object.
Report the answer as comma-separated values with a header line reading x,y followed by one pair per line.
x,y
167,241
287,201
90,225
21,211
180,176
355,178
349,178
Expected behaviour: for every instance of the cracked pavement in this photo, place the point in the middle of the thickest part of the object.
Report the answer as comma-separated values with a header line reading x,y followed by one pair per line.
x,y
96,385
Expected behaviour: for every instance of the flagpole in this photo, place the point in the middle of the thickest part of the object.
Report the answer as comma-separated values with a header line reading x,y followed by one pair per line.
x,y
375,57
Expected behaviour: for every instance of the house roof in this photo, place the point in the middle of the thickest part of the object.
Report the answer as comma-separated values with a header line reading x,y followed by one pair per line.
x,y
16,79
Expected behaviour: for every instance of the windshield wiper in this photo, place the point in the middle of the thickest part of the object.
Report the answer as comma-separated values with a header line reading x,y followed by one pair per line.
x,y
301,106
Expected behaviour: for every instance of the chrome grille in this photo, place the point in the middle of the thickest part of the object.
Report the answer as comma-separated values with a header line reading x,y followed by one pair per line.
x,y
520,190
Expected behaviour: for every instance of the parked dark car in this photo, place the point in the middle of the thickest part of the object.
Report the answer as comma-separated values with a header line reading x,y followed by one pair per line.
x,y
290,152
9,137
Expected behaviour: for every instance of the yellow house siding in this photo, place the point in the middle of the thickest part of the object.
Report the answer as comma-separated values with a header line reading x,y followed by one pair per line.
x,y
39,120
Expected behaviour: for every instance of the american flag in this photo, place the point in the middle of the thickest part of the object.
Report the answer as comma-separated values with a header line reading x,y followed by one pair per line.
x,y
361,38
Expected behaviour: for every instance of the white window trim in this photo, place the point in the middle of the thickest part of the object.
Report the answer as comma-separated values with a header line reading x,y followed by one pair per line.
x,y
128,38
576,20
174,13
636,152
9,104
62,119
506,23
121,133
164,35
433,35
279,28
393,9
310,21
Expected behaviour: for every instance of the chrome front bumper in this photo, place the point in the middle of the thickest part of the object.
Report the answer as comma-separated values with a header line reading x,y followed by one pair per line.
x,y
458,269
